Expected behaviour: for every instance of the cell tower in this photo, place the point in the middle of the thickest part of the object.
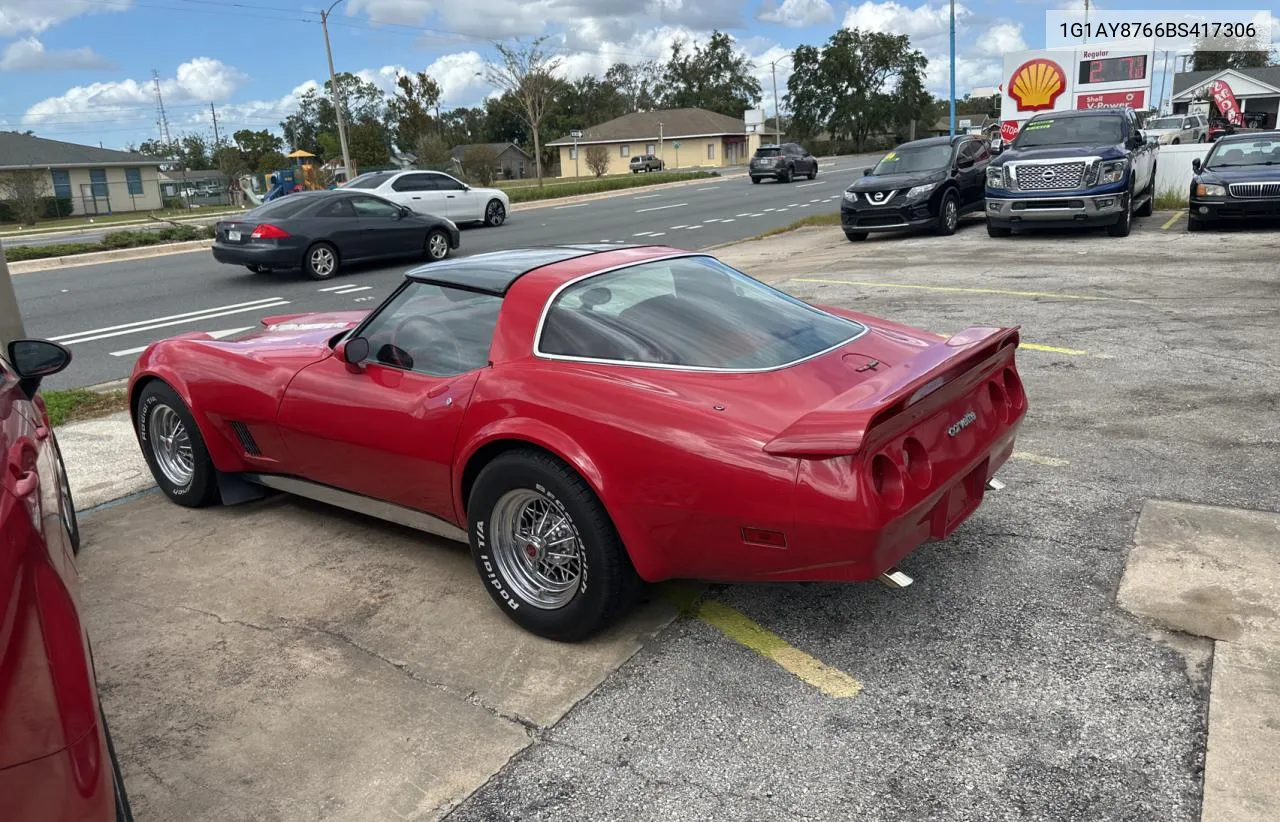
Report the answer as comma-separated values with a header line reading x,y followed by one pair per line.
x,y
161,119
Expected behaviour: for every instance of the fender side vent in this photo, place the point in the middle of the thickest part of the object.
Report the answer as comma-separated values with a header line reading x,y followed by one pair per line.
x,y
247,441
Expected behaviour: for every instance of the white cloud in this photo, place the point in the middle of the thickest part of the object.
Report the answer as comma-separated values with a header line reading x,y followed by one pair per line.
x,y
923,21
798,13
1002,38
200,80
970,73
29,54
34,16
457,76
488,19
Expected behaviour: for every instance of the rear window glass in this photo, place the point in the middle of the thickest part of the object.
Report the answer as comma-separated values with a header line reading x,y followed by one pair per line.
x,y
371,180
286,206
692,312
768,152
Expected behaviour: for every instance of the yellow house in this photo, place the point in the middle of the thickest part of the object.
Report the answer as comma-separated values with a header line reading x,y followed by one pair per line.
x,y
680,138
75,178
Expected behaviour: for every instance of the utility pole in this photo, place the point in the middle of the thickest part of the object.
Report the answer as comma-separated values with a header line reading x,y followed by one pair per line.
x,y
661,154
213,111
333,93
953,67
777,121
11,327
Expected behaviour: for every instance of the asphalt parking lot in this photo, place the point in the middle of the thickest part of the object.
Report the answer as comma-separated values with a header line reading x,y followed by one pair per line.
x,y
283,661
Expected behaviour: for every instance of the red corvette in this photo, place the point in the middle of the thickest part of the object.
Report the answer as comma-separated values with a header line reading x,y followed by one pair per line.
x,y
590,416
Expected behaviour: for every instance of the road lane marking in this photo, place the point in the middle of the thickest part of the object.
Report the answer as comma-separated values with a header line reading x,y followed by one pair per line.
x,y
792,205
217,335
645,196
1173,220
182,321
642,234
195,314
708,188
571,205
354,289
335,287
958,289
746,632
747,214
757,214
1053,462
691,227
678,227
659,208
815,183
712,220
727,220
767,210
657,234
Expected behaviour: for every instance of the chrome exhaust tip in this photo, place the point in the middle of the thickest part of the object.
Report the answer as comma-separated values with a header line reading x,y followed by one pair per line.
x,y
995,484
895,578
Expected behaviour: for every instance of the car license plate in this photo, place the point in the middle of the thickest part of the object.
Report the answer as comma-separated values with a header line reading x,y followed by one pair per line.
x,y
233,236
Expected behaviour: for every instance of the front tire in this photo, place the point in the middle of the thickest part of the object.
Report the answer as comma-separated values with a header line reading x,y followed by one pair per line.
x,y
173,448
784,176
948,215
998,230
1122,226
321,262
813,173
437,245
755,181
495,214
67,508
1194,224
545,548
855,236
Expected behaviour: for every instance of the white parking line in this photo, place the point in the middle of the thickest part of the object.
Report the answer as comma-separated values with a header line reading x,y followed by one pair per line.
x,y
658,208
815,183
172,319
354,289
571,205
645,196
217,335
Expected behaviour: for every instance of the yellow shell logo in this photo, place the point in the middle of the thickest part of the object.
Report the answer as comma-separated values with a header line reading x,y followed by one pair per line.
x,y
1037,84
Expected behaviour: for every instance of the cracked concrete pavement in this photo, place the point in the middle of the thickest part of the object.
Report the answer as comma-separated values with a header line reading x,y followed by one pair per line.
x,y
285,661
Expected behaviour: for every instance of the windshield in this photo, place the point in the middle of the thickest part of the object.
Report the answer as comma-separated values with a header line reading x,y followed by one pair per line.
x,y
1166,123
1094,131
918,158
689,311
1244,153
371,180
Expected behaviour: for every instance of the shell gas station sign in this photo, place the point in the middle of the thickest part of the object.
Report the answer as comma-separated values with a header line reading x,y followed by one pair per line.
x,y
1072,78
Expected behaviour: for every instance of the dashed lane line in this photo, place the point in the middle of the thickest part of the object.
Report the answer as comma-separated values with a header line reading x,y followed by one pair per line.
x,y
660,208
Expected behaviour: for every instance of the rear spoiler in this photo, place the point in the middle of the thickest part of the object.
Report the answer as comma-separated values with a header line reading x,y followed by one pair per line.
x,y
840,426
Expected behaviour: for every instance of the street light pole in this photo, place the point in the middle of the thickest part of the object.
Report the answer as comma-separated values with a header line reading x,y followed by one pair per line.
x,y
333,94
953,68
777,117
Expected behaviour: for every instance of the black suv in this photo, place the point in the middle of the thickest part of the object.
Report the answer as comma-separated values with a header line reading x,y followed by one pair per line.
x,y
921,184
783,163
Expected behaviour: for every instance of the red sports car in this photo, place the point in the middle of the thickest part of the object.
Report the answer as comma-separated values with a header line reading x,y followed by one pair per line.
x,y
590,416
56,759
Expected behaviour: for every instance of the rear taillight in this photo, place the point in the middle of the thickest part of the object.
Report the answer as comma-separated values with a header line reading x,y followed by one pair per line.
x,y
916,460
999,400
267,231
1013,388
886,479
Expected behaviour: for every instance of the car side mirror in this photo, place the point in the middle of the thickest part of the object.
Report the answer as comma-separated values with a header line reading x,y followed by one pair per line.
x,y
866,172
34,360
1195,164
354,352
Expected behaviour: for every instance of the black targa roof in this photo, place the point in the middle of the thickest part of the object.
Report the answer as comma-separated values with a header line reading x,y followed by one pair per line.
x,y
494,272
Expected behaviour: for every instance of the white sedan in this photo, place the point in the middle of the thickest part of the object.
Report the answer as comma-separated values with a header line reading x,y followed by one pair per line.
x,y
438,194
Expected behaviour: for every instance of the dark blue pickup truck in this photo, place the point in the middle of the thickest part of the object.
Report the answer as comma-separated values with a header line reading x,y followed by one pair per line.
x,y
1073,168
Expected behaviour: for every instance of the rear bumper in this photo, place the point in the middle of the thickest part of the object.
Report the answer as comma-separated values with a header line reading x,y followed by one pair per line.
x,y
1234,209
1062,211
273,256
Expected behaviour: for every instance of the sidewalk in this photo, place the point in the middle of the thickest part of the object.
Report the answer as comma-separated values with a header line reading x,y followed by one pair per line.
x,y
103,460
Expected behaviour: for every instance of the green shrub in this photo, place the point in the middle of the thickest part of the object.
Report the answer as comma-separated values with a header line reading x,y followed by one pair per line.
x,y
51,208
18,253
174,203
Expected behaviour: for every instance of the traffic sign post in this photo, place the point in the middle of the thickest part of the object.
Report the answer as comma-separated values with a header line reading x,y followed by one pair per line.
x,y
676,146
575,134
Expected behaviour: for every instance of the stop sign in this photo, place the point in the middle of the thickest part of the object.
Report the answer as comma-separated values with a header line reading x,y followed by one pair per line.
x,y
1008,130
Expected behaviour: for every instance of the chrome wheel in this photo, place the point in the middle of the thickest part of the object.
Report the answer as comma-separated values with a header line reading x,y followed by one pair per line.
x,y
952,215
171,446
536,548
322,261
437,246
495,214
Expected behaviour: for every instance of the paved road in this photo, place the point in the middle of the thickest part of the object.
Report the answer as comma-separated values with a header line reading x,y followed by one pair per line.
x,y
108,313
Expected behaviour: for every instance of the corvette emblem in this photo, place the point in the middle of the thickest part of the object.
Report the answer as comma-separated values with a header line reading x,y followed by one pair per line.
x,y
961,424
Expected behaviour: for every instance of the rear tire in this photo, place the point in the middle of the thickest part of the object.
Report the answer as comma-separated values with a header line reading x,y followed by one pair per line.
x,y
436,247
855,236
948,215
1149,205
67,510
164,425
524,504
755,181
998,230
321,262
495,214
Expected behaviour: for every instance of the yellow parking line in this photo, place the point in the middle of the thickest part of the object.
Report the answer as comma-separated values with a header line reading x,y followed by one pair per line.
x,y
948,288
1172,220
1053,349
1038,459
745,631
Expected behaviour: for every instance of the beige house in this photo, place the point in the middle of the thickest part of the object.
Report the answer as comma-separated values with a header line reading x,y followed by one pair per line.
x,y
682,138
83,179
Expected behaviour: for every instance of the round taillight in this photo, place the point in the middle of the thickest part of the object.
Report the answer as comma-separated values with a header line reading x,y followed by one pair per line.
x,y
999,401
916,460
1013,387
886,479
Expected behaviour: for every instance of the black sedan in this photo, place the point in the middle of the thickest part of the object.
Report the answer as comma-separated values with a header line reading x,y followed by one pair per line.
x,y
1238,180
922,184
318,231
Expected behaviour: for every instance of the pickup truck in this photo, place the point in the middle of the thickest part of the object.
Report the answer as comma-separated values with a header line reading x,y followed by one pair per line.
x,y
1073,168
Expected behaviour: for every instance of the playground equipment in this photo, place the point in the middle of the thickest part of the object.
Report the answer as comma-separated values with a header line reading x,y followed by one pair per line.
x,y
303,175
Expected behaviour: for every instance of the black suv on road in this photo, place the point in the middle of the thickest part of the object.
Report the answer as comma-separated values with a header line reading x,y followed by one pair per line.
x,y
922,184
783,163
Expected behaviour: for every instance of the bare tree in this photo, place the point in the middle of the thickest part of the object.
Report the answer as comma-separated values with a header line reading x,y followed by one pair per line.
x,y
598,159
26,190
527,73
481,163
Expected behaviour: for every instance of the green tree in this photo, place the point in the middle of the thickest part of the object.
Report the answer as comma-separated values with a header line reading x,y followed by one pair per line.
x,y
480,163
713,77
158,148
409,109
194,153
24,191
503,122
254,144
271,161
637,83
851,86
527,73
1216,54
367,143
463,125
432,152
230,161
364,104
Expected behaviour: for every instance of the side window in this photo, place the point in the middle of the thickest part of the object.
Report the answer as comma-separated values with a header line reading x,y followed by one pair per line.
x,y
968,150
373,207
413,182
443,182
434,330
338,208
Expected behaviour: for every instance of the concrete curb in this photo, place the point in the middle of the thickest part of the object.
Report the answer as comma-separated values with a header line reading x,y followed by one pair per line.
x,y
116,255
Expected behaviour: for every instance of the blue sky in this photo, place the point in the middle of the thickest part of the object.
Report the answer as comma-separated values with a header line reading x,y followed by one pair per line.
x,y
80,70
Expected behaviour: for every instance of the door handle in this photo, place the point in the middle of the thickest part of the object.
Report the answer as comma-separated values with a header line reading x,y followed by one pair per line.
x,y
42,432
26,484
415,198
449,196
